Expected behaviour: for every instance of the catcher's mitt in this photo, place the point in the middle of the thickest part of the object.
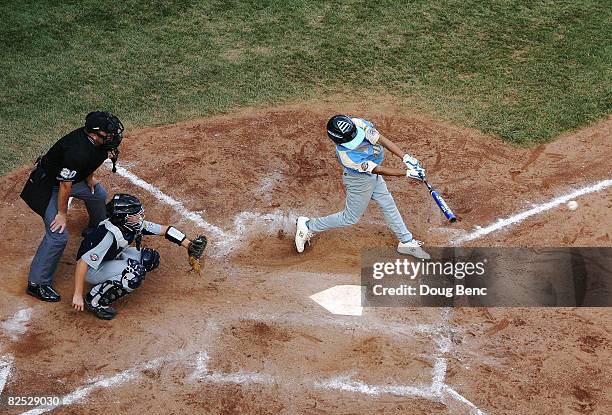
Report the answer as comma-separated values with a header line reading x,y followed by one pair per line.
x,y
195,250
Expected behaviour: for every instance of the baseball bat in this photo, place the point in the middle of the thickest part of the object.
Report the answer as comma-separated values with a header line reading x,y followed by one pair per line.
x,y
440,202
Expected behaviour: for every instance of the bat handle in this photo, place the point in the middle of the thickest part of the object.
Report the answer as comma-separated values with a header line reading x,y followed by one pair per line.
x,y
425,181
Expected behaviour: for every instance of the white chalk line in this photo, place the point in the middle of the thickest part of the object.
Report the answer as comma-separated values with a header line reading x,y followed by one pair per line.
x,y
18,323
6,363
339,383
444,390
81,393
346,384
202,373
172,202
519,217
437,391
13,327
458,397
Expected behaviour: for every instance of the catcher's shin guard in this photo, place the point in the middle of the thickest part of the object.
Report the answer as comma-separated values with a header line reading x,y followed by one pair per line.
x,y
109,291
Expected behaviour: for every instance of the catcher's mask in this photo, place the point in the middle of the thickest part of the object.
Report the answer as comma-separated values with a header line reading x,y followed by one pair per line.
x,y
97,121
125,211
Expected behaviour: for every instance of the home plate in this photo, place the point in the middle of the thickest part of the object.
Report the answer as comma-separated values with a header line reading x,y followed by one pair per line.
x,y
341,299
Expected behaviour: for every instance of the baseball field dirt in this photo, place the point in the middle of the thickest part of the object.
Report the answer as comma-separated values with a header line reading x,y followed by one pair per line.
x,y
244,336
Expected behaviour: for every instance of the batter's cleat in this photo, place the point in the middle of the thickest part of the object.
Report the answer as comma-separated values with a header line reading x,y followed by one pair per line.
x,y
44,292
302,234
104,313
413,248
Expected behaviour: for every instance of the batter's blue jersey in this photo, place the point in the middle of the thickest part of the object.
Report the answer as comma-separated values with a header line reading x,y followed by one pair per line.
x,y
367,155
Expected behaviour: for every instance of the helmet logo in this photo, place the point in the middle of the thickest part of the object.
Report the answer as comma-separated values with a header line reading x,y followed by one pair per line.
x,y
343,126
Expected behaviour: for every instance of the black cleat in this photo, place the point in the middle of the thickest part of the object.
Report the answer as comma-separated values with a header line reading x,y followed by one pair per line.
x,y
104,313
44,292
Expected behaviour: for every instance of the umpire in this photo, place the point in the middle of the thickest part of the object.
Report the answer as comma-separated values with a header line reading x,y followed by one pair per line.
x,y
67,170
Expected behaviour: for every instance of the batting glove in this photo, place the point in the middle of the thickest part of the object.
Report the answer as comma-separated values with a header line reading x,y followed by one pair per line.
x,y
413,164
415,174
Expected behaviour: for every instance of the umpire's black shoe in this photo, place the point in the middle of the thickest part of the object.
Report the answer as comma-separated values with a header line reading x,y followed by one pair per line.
x,y
43,292
104,313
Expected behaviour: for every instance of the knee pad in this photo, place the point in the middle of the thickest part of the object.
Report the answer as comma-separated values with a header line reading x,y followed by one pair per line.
x,y
150,259
133,275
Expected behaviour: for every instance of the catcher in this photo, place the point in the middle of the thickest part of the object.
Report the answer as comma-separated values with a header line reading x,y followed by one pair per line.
x,y
106,259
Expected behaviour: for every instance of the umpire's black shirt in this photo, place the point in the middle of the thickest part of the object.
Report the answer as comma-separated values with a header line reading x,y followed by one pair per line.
x,y
73,158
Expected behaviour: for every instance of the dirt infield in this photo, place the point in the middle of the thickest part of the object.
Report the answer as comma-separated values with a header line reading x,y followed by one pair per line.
x,y
245,337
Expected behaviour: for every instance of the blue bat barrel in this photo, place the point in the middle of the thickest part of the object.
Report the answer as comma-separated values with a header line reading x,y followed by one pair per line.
x,y
443,206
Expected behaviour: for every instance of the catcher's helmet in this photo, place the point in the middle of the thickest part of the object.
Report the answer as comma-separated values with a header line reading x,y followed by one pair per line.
x,y
122,206
105,121
341,129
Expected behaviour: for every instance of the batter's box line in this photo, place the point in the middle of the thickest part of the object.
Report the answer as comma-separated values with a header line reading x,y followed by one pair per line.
x,y
437,391
105,382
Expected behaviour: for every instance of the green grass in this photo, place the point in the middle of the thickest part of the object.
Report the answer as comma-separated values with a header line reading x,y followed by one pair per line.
x,y
523,70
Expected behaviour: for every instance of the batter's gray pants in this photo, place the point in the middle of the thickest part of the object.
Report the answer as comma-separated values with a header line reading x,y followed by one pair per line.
x,y
360,189
52,246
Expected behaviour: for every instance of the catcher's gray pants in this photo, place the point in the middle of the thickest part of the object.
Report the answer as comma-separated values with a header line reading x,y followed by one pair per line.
x,y
360,189
110,283
112,270
52,246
